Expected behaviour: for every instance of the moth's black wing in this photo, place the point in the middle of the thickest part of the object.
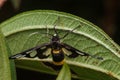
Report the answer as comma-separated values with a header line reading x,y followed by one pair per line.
x,y
26,53
43,53
76,52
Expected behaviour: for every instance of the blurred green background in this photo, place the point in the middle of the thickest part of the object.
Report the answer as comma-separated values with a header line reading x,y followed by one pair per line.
x,y
103,13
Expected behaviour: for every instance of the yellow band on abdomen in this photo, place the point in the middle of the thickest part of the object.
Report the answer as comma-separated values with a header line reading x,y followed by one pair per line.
x,y
59,63
56,51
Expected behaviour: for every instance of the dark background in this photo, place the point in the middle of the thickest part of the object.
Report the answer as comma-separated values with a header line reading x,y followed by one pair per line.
x,y
103,13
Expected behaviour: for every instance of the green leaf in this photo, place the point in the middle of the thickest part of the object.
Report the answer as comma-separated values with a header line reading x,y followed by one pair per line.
x,y
25,30
5,73
64,74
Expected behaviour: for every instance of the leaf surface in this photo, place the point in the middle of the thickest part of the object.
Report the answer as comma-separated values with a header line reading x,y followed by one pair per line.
x,y
5,68
26,30
65,73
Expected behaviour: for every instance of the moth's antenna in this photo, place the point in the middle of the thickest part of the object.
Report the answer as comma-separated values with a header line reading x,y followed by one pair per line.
x,y
56,24
70,32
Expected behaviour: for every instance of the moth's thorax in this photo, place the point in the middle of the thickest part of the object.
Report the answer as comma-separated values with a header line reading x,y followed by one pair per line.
x,y
55,42
56,45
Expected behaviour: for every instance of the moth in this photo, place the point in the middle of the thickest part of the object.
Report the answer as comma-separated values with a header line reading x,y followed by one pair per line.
x,y
57,49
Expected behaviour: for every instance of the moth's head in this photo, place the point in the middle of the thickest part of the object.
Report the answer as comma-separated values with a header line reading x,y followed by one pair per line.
x,y
55,38
54,35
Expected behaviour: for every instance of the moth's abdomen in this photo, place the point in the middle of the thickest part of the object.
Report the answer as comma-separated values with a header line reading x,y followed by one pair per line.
x,y
58,57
